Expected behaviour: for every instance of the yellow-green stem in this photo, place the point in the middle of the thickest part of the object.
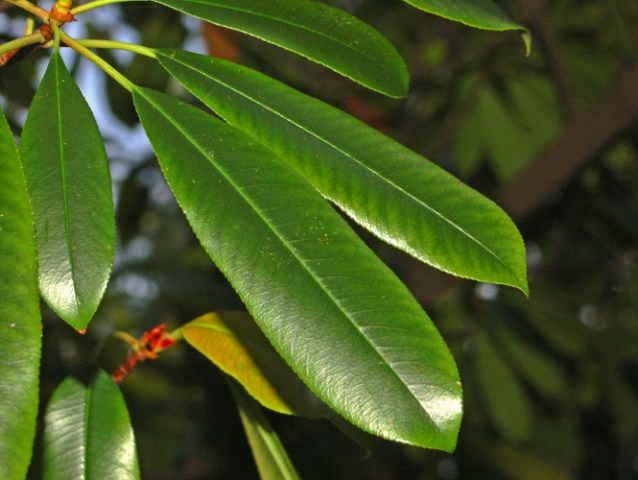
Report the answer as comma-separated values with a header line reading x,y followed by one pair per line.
x,y
36,37
29,25
131,47
31,8
95,4
103,64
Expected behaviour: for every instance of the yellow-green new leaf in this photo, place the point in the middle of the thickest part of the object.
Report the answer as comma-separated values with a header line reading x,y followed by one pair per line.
x,y
233,342
20,322
69,184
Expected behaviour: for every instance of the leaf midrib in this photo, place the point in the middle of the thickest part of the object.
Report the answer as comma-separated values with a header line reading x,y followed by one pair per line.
x,y
65,192
361,165
303,266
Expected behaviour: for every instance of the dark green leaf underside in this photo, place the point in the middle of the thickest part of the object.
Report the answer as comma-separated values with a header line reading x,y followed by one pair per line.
x,y
20,322
321,33
318,293
393,192
68,179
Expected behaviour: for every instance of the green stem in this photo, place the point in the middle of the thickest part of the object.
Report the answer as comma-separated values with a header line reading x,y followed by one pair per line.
x,y
131,47
103,64
36,37
95,4
29,26
31,8
176,334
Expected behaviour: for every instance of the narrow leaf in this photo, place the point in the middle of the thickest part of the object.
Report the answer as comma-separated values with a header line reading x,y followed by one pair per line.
x,y
505,399
339,317
88,433
20,322
270,456
233,342
475,13
321,33
68,179
400,196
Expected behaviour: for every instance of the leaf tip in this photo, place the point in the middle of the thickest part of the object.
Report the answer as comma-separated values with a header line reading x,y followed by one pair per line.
x,y
527,40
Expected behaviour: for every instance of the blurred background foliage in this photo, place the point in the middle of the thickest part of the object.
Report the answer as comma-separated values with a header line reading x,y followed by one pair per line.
x,y
550,382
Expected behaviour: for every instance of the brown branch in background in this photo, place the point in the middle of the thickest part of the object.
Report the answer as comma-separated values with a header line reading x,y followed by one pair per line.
x,y
584,136
537,18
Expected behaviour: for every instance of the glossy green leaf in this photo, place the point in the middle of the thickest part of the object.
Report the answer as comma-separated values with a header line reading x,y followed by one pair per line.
x,y
88,434
233,342
20,322
475,13
393,192
319,32
270,456
337,315
68,179
504,397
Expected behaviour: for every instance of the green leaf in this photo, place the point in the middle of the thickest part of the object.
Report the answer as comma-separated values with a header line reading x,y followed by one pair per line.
x,y
68,179
339,317
474,13
537,368
270,456
404,199
233,342
509,125
20,322
88,434
505,399
321,33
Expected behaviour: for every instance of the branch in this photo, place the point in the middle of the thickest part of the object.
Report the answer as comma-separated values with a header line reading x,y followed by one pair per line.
x,y
586,134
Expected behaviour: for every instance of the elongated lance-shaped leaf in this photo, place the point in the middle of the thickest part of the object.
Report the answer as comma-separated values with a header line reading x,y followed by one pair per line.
x,y
233,342
20,322
475,13
88,433
270,455
398,195
339,317
68,180
321,33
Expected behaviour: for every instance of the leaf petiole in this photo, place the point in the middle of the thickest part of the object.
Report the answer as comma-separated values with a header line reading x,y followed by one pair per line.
x,y
30,39
95,4
131,47
103,64
31,8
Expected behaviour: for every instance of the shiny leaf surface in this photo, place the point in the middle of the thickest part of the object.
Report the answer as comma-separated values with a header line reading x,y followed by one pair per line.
x,y
319,32
400,196
88,433
339,317
20,322
69,184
